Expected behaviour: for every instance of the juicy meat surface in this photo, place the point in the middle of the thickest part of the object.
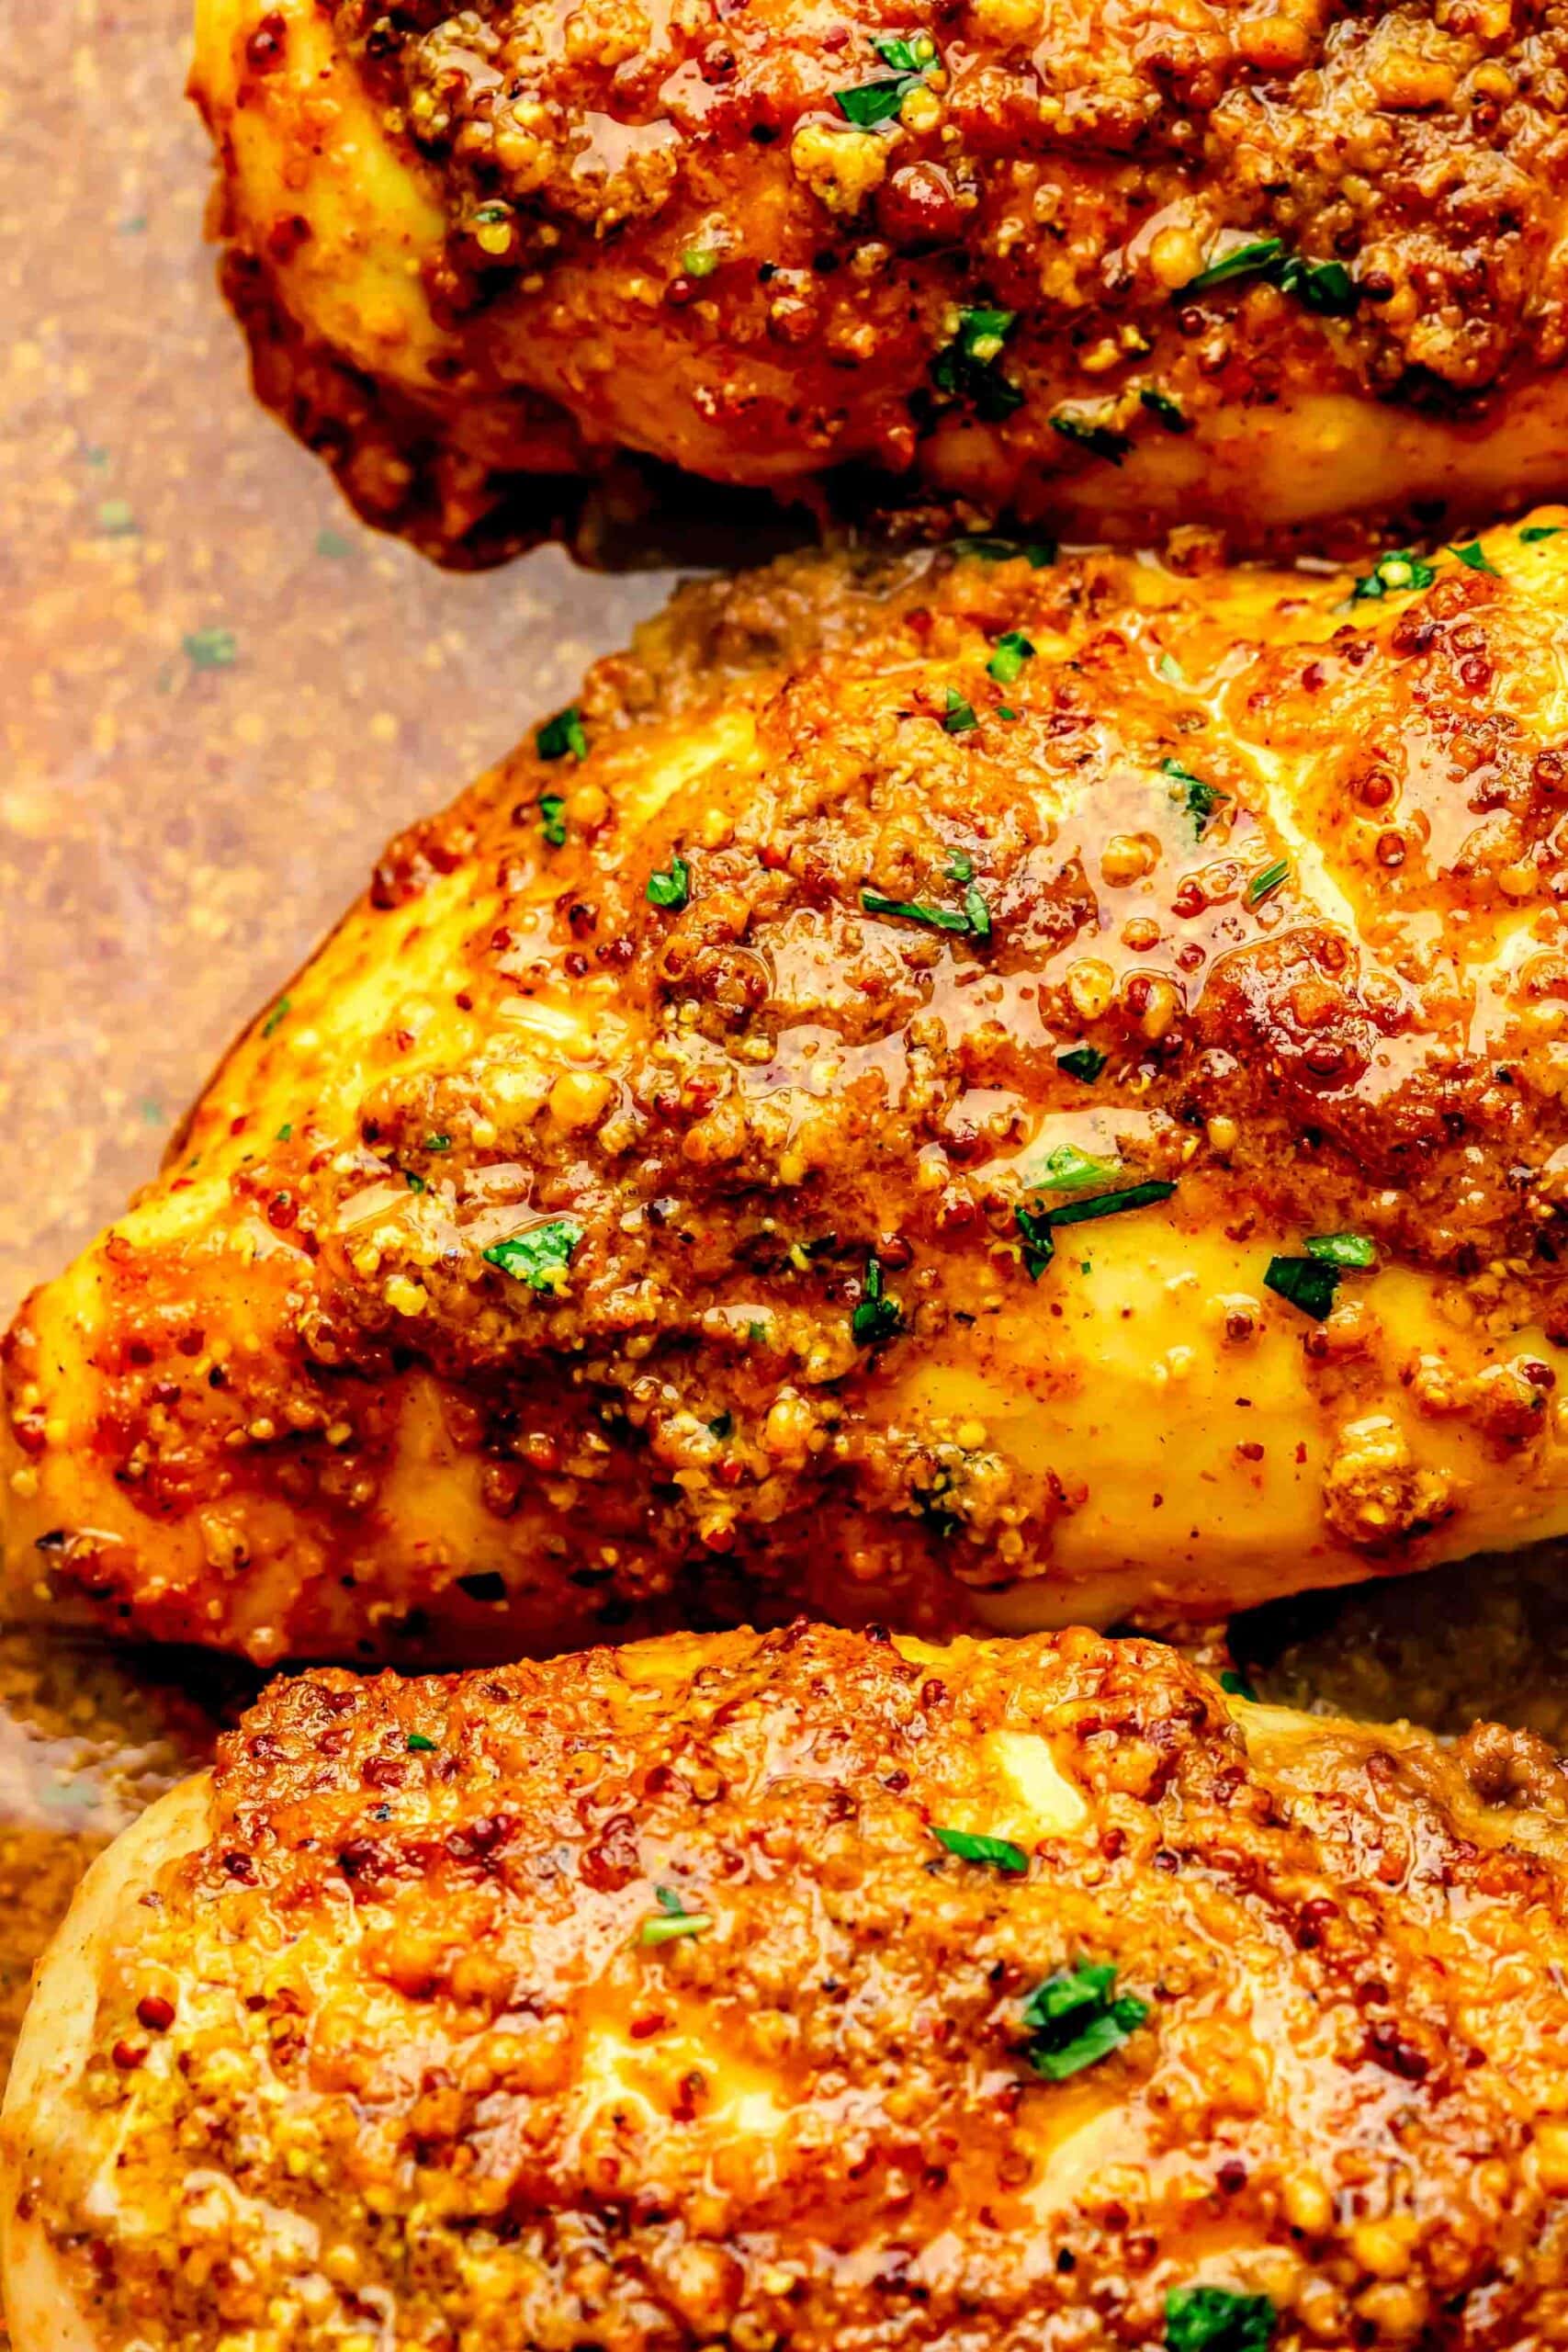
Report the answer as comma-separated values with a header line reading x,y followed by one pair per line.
x,y
943,1088
1121,263
663,1997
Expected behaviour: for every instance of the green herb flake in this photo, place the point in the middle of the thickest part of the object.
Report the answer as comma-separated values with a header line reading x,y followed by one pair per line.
x,y
1215,2319
1473,556
961,866
562,734
672,1920
211,648
1013,651
1159,405
700,260
1202,801
539,1257
1076,2018
907,53
999,1853
279,1012
878,1318
959,715
415,1183
990,549
438,1143
1084,1063
116,519
1392,575
284,1133
1169,668
875,102
1309,1283
1068,1169
962,920
967,367
552,818
334,546
1326,287
1236,1685
1255,258
1100,440
1342,1248
419,1746
1263,885
1037,1227
722,1426
673,890
1534,532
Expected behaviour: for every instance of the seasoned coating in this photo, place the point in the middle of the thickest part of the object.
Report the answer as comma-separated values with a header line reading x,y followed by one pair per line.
x,y
829,1145
662,1998
1117,266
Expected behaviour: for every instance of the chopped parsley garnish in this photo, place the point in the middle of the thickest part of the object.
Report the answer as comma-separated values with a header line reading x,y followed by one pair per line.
x,y
415,1183
1214,2319
1256,258
1068,1169
999,1852
1077,2018
1342,1248
1263,885
1392,574
672,1920
211,648
973,919
438,1143
419,1746
1100,440
1307,1283
959,715
1326,287
1038,1225
116,519
1013,651
967,367
1236,1685
279,1012
722,1426
332,545
1169,668
1170,412
878,1318
1036,553
1201,801
1473,556
539,1257
1534,531
673,890
700,260
875,102
1084,1063
913,54
552,818
562,734
284,1133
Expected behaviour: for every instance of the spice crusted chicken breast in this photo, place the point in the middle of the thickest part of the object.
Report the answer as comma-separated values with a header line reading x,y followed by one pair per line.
x,y
1118,267
943,1089
806,1989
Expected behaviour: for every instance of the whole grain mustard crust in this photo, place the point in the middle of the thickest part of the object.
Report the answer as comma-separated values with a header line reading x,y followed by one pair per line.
x,y
641,2000
1259,265
948,1086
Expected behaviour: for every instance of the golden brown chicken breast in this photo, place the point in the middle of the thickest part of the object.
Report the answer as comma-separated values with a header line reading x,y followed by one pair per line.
x,y
1118,267
941,1089
807,1990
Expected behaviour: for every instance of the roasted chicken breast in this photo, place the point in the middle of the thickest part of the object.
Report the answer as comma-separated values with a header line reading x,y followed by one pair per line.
x,y
943,1088
806,1989
1117,267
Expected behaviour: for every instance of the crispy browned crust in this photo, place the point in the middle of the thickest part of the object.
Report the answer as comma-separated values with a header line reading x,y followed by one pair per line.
x,y
391,2041
664,223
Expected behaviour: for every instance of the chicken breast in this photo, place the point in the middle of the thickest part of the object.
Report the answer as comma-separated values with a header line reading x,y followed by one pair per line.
x,y
943,1089
1117,268
813,1989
